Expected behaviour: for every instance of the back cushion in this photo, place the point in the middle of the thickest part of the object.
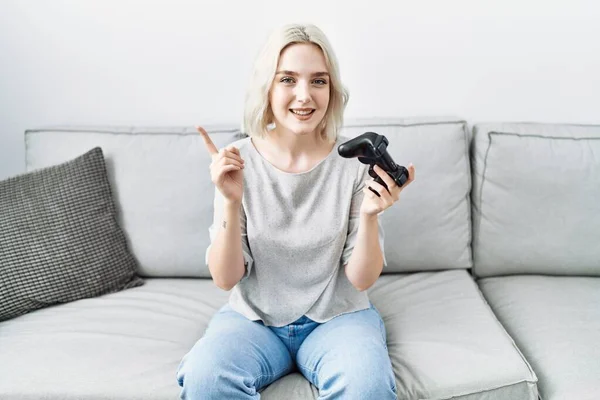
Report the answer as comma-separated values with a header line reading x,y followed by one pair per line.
x,y
536,199
161,186
429,228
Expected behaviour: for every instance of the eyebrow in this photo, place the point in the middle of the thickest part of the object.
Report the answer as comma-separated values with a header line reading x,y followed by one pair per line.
x,y
286,72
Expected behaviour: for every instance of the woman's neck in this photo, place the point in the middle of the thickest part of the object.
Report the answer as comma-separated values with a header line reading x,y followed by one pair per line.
x,y
291,152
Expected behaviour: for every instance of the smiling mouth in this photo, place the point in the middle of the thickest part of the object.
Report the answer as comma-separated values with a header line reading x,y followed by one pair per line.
x,y
302,113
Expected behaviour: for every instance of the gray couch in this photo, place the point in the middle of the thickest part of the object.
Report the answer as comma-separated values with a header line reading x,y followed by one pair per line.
x,y
492,288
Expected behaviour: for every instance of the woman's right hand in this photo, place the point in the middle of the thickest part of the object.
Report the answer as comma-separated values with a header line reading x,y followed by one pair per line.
x,y
225,169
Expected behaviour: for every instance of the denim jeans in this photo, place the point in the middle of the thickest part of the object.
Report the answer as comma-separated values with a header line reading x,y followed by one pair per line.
x,y
345,358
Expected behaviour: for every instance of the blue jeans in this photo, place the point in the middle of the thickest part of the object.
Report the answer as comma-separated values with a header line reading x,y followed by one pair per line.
x,y
345,358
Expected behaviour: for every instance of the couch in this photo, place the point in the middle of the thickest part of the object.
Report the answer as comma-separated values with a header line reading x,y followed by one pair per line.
x,y
492,288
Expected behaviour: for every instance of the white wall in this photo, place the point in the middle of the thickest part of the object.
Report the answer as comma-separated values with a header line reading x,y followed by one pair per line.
x,y
187,62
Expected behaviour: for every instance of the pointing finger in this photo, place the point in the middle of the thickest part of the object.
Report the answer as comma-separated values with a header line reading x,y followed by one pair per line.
x,y
212,149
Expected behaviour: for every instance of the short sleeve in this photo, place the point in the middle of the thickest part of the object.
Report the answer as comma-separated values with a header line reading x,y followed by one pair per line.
x,y
354,217
213,229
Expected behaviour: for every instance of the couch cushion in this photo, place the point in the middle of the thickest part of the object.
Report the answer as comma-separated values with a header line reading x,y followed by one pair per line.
x,y
161,185
163,191
430,228
444,343
555,321
59,238
536,206
126,346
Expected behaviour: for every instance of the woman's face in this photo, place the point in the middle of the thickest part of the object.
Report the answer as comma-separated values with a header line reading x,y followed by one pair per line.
x,y
299,95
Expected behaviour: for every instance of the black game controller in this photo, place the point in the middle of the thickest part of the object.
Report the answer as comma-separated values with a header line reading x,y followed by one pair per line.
x,y
370,148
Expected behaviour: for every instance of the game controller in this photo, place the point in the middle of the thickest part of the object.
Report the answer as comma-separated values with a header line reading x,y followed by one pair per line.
x,y
371,148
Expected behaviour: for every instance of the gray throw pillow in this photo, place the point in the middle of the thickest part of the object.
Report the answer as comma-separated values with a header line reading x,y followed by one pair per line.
x,y
59,237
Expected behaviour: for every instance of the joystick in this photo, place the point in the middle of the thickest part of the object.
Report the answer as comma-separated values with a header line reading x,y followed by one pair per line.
x,y
371,148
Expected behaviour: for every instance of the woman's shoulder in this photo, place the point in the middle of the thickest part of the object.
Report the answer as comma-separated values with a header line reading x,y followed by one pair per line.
x,y
242,144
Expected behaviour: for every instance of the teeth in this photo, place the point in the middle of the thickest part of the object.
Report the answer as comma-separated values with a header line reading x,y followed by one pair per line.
x,y
299,112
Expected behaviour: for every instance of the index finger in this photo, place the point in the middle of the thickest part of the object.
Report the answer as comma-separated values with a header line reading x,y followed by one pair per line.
x,y
384,176
212,149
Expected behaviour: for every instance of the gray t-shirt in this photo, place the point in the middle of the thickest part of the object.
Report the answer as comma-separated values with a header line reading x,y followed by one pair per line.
x,y
298,232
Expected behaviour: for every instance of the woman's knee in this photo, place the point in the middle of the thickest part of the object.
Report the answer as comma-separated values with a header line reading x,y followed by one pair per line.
x,y
372,383
368,374
207,372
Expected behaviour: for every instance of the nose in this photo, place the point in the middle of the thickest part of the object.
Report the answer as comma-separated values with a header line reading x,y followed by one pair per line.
x,y
303,92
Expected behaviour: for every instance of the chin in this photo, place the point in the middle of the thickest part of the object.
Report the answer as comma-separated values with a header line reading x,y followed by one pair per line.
x,y
303,131
301,128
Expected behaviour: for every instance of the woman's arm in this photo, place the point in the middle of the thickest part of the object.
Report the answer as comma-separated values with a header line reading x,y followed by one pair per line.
x,y
225,257
366,262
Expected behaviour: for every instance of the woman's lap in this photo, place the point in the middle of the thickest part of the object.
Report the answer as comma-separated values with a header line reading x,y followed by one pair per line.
x,y
354,345
346,353
233,346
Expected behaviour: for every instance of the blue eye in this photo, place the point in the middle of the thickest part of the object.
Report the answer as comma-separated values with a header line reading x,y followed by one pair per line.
x,y
320,81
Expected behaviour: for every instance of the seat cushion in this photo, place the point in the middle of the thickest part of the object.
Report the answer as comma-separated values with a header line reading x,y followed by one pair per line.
x,y
444,342
555,321
126,345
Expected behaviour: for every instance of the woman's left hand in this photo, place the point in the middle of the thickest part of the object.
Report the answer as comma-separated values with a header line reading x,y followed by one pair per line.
x,y
373,205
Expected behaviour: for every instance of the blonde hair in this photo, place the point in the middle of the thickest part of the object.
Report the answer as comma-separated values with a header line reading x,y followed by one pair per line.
x,y
257,110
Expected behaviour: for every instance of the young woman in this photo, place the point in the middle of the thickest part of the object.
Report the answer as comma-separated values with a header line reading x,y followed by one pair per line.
x,y
296,238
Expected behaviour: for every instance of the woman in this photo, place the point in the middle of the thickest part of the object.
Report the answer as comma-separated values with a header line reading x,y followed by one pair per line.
x,y
297,239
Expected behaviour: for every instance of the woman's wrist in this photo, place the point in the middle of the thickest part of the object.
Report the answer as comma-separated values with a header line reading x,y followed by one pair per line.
x,y
232,204
368,217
